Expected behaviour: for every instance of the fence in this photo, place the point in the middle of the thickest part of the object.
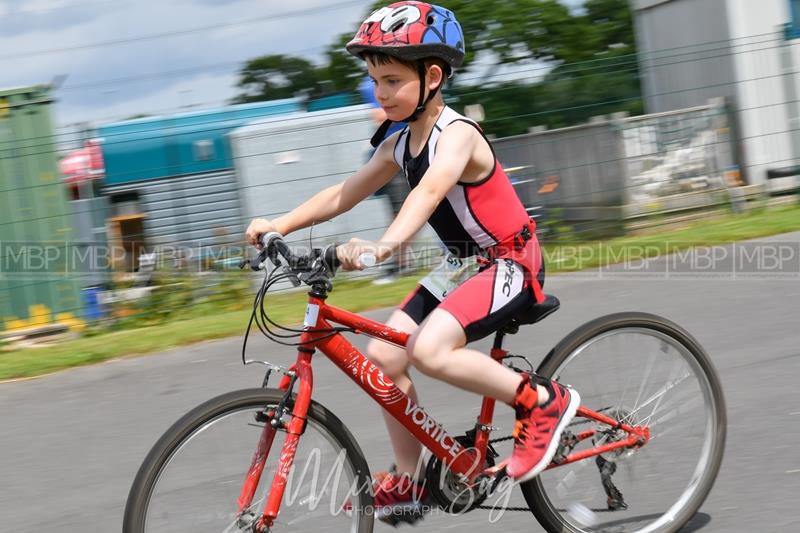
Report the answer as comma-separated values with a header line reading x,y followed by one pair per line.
x,y
616,168
606,172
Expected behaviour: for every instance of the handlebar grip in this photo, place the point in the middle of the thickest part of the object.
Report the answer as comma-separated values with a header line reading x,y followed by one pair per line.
x,y
267,238
331,259
274,245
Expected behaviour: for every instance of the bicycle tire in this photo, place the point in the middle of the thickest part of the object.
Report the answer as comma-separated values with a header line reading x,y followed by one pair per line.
x,y
552,519
185,428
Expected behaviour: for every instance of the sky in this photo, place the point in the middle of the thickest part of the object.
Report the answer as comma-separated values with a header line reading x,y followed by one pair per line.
x,y
124,57
120,58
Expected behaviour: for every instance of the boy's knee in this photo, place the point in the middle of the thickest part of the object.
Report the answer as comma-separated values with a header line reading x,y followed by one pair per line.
x,y
392,360
424,354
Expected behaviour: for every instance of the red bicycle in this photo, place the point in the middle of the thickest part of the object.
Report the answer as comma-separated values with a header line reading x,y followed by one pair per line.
x,y
658,422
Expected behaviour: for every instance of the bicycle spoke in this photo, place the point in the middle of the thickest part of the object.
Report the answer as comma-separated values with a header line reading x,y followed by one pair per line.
x,y
197,488
661,392
648,369
642,378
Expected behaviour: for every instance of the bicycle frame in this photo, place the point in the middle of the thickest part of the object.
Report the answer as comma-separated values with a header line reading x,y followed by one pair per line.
x,y
320,316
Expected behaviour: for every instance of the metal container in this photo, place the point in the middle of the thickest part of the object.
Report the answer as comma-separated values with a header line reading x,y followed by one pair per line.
x,y
37,281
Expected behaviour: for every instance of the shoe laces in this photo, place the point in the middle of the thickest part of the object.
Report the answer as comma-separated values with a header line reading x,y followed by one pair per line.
x,y
526,428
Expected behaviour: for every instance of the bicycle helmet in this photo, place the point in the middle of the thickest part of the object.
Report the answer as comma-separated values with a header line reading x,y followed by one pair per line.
x,y
411,31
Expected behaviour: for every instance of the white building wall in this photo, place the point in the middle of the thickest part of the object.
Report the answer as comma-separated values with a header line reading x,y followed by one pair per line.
x,y
762,88
729,48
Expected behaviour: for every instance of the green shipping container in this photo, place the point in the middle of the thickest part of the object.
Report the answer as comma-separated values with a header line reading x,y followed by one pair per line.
x,y
37,282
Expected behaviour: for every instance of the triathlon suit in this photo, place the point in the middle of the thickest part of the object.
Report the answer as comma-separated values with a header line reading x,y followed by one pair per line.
x,y
485,219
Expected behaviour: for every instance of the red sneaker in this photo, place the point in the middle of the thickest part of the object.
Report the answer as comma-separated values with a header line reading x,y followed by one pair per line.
x,y
538,428
397,499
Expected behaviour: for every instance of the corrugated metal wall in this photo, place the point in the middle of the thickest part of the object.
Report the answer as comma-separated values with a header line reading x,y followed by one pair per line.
x,y
685,52
580,169
281,163
186,210
610,169
88,222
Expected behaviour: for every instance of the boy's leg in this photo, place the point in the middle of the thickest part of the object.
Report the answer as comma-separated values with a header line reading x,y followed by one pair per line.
x,y
393,361
478,307
437,349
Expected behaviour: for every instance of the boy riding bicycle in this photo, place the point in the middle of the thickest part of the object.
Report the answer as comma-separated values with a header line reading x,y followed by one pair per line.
x,y
460,189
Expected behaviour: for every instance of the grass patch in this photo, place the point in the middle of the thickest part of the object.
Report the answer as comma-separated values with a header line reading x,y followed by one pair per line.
x,y
720,229
361,295
284,308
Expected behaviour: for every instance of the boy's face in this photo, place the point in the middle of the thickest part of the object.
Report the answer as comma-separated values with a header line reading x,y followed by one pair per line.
x,y
396,89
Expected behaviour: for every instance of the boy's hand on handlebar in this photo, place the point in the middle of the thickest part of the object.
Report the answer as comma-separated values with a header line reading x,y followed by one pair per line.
x,y
350,253
257,228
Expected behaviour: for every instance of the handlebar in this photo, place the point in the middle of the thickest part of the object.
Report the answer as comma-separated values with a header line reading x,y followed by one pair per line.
x,y
274,247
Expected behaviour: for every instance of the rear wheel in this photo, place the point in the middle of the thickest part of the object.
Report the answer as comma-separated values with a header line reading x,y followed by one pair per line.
x,y
642,370
191,479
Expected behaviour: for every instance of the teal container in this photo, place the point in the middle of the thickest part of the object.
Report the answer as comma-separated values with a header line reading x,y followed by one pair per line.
x,y
332,101
188,143
35,268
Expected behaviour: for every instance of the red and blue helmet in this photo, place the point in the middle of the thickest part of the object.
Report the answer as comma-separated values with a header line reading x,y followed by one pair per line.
x,y
411,31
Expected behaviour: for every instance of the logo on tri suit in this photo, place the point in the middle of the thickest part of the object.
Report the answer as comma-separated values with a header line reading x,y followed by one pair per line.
x,y
509,277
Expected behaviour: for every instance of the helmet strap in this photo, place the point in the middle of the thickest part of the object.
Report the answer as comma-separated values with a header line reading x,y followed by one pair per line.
x,y
423,102
380,134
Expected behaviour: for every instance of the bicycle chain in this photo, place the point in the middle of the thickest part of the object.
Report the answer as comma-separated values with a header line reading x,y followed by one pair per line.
x,y
503,439
512,509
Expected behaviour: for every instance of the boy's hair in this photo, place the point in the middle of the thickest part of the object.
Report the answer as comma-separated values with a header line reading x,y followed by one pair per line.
x,y
380,58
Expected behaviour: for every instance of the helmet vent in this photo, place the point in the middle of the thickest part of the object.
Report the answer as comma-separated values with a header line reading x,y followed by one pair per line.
x,y
398,26
430,20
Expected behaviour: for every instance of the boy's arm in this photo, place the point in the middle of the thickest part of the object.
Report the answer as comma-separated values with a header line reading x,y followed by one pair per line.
x,y
334,200
453,152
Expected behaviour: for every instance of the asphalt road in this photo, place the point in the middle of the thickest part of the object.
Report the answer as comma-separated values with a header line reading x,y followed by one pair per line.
x,y
71,442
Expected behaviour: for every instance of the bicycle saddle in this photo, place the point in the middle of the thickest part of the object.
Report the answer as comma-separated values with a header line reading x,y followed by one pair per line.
x,y
534,313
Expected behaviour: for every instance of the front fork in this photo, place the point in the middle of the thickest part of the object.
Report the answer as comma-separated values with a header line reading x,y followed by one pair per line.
x,y
294,428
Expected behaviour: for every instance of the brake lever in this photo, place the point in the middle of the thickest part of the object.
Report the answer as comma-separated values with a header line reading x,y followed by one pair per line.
x,y
255,263
292,276
318,272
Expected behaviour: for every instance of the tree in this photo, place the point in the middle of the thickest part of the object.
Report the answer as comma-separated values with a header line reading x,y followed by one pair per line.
x,y
277,76
516,30
343,70
589,56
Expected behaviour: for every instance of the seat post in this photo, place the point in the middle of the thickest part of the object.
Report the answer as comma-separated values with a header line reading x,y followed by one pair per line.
x,y
498,340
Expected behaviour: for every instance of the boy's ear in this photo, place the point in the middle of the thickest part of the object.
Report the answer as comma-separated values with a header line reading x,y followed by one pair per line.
x,y
435,76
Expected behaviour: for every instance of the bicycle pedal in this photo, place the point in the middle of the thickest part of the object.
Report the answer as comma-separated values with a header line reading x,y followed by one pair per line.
x,y
615,504
395,517
566,444
498,479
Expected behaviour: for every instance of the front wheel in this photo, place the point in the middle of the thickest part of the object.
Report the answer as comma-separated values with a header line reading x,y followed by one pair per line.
x,y
191,479
643,370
